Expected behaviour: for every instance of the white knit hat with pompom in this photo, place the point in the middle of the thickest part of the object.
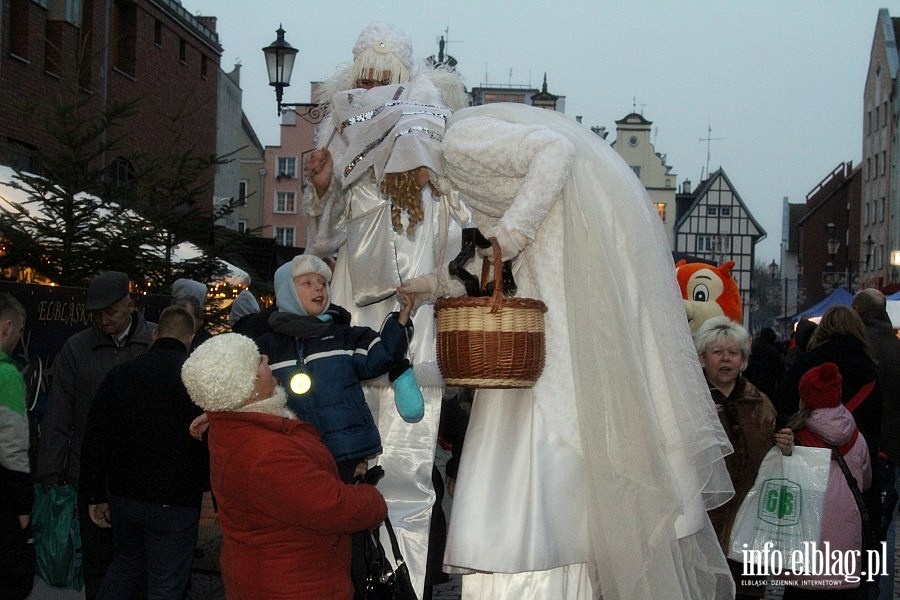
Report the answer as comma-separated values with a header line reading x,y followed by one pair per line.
x,y
220,373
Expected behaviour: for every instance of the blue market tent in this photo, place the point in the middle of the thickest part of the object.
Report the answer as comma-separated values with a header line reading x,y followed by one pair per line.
x,y
840,296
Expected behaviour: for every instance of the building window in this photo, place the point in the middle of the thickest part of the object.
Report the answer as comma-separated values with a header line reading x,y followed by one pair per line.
x,y
284,236
157,33
126,35
725,211
53,42
182,52
203,66
242,226
122,175
865,215
661,210
712,211
287,167
243,188
73,12
718,244
22,156
18,28
876,164
284,202
86,58
883,208
883,161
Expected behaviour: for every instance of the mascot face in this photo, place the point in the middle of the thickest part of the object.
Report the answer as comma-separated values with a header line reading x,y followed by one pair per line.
x,y
708,292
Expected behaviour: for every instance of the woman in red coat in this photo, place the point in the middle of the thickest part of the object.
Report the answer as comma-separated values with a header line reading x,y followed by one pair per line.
x,y
286,517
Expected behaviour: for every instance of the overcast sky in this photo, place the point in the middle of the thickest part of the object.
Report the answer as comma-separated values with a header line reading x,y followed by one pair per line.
x,y
779,82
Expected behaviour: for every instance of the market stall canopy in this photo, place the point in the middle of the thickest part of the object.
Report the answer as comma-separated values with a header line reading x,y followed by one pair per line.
x,y
10,198
840,296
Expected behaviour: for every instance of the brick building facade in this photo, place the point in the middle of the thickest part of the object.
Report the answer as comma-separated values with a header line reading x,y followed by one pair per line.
x,y
153,52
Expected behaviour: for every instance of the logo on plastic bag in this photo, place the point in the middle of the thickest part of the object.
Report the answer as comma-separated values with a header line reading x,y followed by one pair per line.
x,y
779,502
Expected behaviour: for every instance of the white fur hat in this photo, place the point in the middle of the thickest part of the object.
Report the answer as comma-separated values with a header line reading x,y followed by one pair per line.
x,y
220,373
382,48
310,263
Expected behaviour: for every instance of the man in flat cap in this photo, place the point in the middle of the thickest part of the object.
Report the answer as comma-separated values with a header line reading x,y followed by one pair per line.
x,y
117,334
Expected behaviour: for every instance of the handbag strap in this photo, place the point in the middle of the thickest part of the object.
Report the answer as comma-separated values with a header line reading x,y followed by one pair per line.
x,y
395,547
860,396
854,487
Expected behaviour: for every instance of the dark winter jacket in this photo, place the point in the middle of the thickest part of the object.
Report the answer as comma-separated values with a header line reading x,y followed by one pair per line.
x,y
748,418
886,348
336,356
856,368
137,443
77,372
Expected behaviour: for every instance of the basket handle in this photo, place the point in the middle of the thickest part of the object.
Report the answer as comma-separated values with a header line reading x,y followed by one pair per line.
x,y
497,296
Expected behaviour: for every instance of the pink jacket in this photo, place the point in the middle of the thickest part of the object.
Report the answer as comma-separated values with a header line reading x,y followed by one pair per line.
x,y
841,523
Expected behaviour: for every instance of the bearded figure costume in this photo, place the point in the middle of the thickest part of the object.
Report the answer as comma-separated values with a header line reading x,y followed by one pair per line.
x,y
596,481
384,237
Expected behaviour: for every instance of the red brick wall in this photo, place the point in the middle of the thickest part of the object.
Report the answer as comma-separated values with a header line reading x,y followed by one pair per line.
x,y
177,106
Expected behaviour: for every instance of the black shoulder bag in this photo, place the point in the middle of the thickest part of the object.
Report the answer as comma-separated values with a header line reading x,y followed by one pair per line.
x,y
383,582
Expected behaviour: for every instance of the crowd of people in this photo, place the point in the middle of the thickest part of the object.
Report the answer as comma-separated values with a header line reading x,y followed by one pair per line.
x,y
619,473
833,384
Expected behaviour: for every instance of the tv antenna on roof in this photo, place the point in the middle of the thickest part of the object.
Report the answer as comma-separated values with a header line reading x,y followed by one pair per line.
x,y
709,138
634,105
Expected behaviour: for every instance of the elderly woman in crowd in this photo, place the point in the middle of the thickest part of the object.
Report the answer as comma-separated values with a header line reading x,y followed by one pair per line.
x,y
748,418
286,517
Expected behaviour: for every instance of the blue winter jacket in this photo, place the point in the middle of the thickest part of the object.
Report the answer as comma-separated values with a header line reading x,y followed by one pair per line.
x,y
336,360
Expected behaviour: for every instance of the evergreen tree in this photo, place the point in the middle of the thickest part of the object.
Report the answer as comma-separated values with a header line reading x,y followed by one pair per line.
x,y
137,213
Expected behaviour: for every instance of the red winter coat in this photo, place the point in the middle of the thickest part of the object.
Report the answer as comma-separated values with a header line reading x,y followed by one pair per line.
x,y
286,517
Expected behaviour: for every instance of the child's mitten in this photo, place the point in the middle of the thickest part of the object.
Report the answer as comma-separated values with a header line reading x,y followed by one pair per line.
x,y
407,397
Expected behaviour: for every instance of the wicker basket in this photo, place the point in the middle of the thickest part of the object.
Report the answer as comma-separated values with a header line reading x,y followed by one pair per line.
x,y
490,341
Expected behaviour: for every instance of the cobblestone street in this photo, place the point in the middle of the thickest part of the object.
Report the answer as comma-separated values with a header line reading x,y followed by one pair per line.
x,y
206,582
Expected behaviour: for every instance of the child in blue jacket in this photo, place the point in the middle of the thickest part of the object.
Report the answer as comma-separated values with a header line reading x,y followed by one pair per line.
x,y
320,360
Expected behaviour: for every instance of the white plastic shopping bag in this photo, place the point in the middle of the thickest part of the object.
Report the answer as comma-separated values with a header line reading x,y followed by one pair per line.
x,y
784,507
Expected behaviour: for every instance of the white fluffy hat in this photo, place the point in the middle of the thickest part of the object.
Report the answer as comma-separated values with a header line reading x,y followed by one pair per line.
x,y
220,373
381,49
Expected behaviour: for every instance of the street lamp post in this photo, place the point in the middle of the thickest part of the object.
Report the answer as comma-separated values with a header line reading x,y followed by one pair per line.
x,y
280,57
773,272
831,279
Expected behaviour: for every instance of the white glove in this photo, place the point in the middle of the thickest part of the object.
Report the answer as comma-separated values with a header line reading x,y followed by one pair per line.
x,y
432,286
423,285
511,242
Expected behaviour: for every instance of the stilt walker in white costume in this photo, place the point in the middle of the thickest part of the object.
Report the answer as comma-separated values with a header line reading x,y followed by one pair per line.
x,y
595,482
347,174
